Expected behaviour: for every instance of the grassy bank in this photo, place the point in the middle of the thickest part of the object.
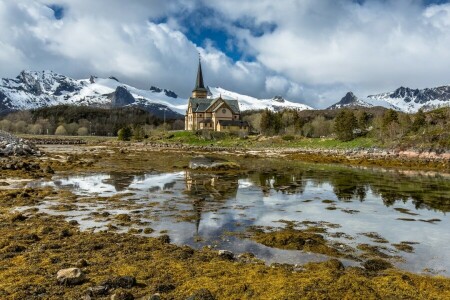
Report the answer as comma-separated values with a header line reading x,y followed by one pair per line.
x,y
190,138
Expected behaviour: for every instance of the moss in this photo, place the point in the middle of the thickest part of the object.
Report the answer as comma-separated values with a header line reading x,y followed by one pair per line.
x,y
405,247
292,239
180,272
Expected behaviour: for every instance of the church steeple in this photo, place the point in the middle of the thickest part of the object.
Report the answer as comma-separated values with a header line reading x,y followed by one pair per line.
x,y
199,90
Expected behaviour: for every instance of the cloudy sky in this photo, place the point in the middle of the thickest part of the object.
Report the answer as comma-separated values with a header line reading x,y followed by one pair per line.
x,y
310,51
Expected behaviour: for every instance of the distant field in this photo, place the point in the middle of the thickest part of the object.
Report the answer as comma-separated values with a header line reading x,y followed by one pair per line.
x,y
189,138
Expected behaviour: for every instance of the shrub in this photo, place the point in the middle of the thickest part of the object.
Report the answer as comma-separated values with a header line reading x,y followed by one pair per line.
x,y
61,130
288,137
83,131
124,134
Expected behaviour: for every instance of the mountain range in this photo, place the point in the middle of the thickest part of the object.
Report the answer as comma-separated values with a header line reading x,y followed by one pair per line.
x,y
402,99
31,90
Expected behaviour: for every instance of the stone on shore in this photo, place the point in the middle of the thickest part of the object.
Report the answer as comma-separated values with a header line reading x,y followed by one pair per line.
x,y
212,164
11,145
70,276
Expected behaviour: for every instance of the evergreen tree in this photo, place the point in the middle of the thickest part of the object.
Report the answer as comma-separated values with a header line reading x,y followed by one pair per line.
x,y
124,134
419,121
344,125
389,117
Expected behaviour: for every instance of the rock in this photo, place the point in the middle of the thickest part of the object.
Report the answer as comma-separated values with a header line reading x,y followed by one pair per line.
x,y
377,265
226,254
11,145
81,263
202,294
126,282
70,276
99,290
212,164
122,295
49,170
18,217
164,288
165,239
121,97
155,297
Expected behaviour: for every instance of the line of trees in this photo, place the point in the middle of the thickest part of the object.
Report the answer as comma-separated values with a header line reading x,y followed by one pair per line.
x,y
82,120
387,126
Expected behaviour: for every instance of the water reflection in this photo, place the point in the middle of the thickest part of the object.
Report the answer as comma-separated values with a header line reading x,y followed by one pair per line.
x,y
200,208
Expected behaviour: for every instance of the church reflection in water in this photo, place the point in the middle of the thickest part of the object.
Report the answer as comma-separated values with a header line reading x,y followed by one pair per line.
x,y
208,191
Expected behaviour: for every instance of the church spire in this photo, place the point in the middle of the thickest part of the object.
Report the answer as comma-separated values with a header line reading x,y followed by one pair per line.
x,y
199,83
199,90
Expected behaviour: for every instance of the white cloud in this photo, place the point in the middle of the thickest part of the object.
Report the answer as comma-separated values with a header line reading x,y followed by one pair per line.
x,y
317,52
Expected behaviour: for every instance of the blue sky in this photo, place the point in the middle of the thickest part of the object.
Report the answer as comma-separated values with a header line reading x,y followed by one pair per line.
x,y
306,51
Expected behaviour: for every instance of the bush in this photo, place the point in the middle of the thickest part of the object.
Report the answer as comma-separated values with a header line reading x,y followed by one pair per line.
x,y
288,137
61,130
124,134
83,131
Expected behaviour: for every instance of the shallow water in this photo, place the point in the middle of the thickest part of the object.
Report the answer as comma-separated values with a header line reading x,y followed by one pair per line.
x,y
201,209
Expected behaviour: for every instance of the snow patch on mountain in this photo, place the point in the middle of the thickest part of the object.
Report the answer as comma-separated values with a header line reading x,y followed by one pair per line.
x,y
31,90
247,103
411,100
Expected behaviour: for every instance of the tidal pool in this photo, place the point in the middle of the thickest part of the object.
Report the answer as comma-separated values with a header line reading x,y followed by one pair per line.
x,y
356,207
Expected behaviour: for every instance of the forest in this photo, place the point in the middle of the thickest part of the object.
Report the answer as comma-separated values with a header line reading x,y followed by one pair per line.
x,y
83,121
388,127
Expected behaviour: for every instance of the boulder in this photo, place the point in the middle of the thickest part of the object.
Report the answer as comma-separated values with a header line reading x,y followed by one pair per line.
x,y
212,164
226,254
70,276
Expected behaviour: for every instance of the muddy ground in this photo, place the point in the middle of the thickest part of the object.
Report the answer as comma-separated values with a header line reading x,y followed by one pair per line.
x,y
35,246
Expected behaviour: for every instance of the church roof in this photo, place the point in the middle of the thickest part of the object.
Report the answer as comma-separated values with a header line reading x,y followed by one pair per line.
x,y
202,104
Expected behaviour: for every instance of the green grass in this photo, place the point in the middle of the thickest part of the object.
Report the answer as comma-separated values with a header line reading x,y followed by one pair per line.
x,y
189,138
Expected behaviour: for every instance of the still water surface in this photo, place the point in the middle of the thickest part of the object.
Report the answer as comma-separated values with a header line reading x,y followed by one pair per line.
x,y
200,209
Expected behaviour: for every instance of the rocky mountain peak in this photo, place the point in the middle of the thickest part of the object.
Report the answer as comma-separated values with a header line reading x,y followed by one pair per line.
x,y
349,98
278,99
121,97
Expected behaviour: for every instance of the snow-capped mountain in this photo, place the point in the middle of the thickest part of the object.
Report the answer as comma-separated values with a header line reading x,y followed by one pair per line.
x,y
250,103
351,101
31,90
411,100
402,99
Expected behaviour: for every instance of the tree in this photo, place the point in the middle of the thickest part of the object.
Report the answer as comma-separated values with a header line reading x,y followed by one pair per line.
x,y
345,124
389,117
20,127
5,125
72,128
321,127
35,129
419,120
124,134
83,131
363,120
265,124
61,130
138,133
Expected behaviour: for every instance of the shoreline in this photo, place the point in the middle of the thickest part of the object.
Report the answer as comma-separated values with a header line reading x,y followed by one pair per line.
x,y
400,159
37,245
